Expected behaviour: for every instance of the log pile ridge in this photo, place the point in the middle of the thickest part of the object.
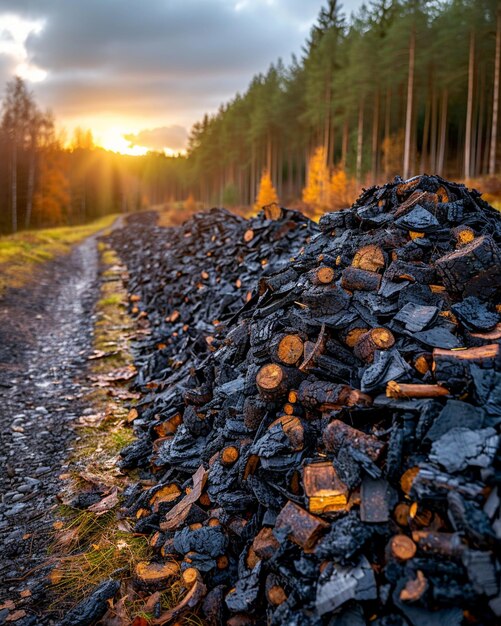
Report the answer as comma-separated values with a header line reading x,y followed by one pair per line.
x,y
318,430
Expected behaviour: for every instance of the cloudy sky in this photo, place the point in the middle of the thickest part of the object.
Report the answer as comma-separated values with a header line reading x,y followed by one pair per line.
x,y
141,72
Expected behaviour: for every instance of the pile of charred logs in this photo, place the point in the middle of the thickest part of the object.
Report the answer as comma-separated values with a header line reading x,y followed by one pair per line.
x,y
318,436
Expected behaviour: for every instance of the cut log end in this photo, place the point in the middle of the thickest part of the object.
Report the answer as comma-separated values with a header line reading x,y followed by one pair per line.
x,y
269,377
369,258
290,349
190,576
155,575
402,547
229,455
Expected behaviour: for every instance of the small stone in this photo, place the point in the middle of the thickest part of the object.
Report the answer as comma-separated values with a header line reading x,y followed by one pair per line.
x,y
16,509
41,470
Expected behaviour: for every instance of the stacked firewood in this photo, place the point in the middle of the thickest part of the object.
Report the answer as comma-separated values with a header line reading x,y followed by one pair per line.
x,y
318,439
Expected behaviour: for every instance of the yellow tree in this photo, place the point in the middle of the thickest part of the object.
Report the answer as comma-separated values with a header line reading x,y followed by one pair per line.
x,y
52,197
317,190
343,189
267,193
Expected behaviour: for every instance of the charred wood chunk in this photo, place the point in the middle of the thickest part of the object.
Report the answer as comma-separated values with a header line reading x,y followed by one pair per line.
x,y
323,488
208,540
456,414
274,590
463,235
475,315
467,516
265,544
418,219
274,381
346,583
453,365
354,279
244,596
338,434
416,317
369,342
253,412
329,396
460,448
473,269
445,544
414,272
346,537
299,526
322,275
293,428
92,608
431,483
481,571
375,500
388,365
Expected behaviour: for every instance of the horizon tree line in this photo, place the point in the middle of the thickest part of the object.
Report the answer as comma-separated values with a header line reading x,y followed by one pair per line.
x,y
404,86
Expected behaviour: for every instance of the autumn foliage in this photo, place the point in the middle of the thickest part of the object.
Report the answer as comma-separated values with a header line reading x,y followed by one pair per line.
x,y
325,190
267,193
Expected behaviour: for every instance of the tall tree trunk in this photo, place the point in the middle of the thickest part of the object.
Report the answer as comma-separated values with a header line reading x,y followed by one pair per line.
x,y
360,139
344,146
410,103
31,187
469,108
433,132
387,130
443,132
375,138
327,122
14,185
479,135
426,128
495,98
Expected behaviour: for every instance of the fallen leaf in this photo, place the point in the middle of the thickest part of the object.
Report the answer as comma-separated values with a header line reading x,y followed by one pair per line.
x,y
13,617
26,593
151,602
92,421
106,504
8,604
132,415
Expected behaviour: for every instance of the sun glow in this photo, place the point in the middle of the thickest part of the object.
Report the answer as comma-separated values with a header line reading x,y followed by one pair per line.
x,y
113,139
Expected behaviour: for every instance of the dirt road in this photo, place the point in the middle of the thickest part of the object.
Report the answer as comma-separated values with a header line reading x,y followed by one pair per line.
x,y
45,337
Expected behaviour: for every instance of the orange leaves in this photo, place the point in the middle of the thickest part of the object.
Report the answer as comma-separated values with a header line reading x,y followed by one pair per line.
x,y
267,193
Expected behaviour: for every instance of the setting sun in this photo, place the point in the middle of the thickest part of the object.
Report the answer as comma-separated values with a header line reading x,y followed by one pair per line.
x,y
113,139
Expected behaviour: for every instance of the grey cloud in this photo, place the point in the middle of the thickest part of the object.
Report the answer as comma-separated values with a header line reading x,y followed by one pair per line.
x,y
173,137
172,58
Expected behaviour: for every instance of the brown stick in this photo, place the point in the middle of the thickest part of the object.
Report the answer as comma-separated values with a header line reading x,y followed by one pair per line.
x,y
401,390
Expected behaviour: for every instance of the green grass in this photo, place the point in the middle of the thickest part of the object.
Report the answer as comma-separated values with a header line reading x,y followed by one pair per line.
x,y
20,253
